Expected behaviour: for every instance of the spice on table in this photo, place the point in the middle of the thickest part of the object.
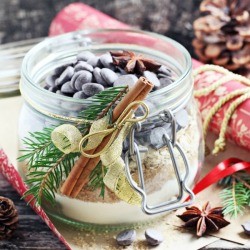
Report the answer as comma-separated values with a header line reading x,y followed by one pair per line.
x,y
133,63
207,219
8,218
246,227
80,172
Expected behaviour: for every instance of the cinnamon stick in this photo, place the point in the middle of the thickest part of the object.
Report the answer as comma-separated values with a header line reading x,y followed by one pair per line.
x,y
131,96
84,175
75,173
79,174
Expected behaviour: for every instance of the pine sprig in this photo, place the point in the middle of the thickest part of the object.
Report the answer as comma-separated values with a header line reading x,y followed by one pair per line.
x,y
236,196
47,165
36,145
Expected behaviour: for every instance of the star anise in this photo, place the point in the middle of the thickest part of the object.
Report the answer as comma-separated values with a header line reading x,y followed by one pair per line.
x,y
133,63
204,220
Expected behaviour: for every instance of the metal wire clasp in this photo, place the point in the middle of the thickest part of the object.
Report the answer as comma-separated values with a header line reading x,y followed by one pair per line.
x,y
135,151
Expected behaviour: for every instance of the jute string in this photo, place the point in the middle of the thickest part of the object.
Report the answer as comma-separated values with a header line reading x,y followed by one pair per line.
x,y
241,95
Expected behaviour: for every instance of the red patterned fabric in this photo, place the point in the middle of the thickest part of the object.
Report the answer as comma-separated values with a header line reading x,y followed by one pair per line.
x,y
239,126
79,16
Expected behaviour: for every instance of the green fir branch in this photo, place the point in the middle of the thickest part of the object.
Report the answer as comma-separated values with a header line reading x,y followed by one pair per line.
x,y
36,145
48,166
236,196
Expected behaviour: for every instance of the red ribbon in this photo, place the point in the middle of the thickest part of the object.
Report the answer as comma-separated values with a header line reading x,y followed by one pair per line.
x,y
222,170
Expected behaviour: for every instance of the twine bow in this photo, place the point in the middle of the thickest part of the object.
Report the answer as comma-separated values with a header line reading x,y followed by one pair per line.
x,y
68,138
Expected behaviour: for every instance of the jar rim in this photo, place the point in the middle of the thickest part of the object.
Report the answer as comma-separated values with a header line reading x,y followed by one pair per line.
x,y
48,41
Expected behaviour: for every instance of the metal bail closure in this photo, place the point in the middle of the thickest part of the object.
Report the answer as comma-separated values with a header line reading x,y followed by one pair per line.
x,y
134,152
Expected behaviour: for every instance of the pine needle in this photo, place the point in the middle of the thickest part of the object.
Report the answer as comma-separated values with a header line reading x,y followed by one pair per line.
x,y
236,196
47,165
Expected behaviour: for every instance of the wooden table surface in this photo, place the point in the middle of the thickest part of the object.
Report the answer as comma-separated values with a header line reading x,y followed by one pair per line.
x,y
32,232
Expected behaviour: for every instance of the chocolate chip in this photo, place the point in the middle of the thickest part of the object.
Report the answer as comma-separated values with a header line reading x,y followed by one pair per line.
x,y
94,61
65,76
161,123
164,71
98,77
73,64
80,95
67,89
58,71
46,87
153,237
246,227
147,126
56,83
161,76
126,237
73,79
107,61
182,118
84,77
156,137
109,76
50,80
126,80
140,111
165,82
121,71
85,56
91,89
83,66
53,89
78,84
143,137
152,78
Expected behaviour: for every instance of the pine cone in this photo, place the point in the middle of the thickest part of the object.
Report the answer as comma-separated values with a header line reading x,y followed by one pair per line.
x,y
8,218
223,34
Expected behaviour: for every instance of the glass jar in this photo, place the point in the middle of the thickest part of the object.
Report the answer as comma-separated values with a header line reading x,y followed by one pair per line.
x,y
11,56
88,209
